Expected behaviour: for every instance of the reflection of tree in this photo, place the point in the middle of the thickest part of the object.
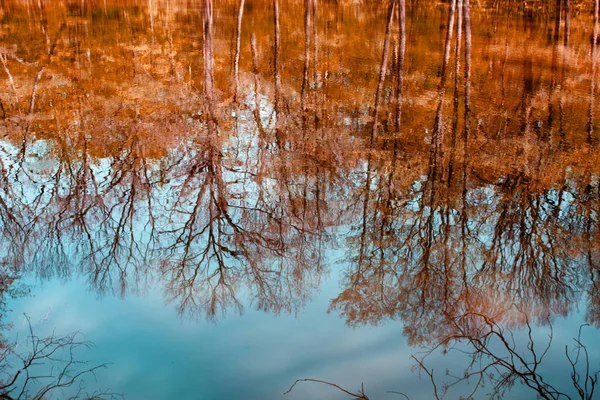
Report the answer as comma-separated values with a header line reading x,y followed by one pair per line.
x,y
444,246
229,237
500,359
99,213
11,221
228,230
47,367
400,229
497,359
426,258
39,367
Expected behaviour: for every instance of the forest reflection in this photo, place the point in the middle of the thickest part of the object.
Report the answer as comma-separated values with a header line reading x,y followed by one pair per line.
x,y
220,151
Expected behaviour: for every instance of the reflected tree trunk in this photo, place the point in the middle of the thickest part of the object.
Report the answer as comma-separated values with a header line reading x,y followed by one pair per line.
x,y
236,62
151,16
382,70
567,7
465,139
262,135
456,96
207,20
175,75
316,79
304,92
399,90
467,127
561,99
400,72
436,155
276,52
277,77
557,19
554,86
590,128
11,81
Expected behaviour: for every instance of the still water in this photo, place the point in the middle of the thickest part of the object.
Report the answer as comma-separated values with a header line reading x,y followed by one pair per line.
x,y
219,198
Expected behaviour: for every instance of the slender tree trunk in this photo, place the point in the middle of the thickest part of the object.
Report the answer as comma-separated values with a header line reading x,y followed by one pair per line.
x,y
315,44
567,7
170,38
207,20
590,128
437,140
151,15
277,76
455,100
467,126
316,79
4,60
261,131
304,91
382,70
401,52
236,62
276,50
208,48
557,19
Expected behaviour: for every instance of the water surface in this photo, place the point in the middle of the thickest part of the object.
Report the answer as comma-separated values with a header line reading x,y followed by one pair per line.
x,y
228,196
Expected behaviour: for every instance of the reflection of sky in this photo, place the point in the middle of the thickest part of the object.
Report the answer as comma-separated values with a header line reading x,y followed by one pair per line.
x,y
155,354
255,355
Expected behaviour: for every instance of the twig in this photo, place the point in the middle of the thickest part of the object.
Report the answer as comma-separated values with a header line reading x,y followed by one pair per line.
x,y
360,395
